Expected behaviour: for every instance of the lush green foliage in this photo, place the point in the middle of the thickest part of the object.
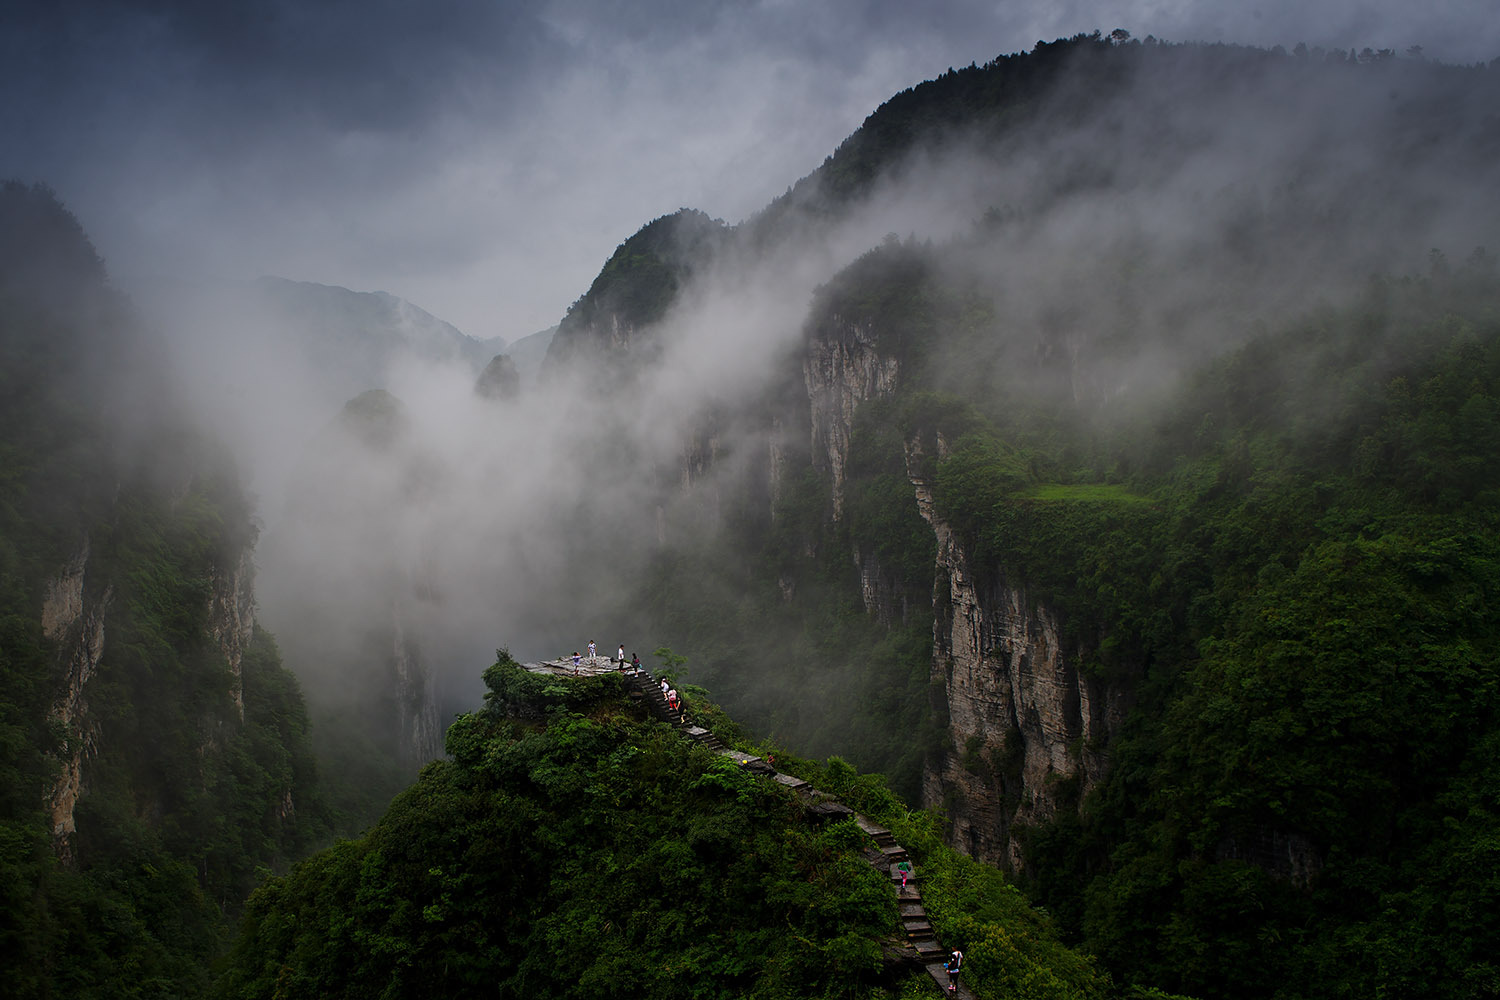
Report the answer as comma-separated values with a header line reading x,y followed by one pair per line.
x,y
1287,560
1010,949
639,281
1297,582
570,849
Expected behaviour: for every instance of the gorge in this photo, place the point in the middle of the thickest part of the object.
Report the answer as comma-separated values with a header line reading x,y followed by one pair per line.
x,y
1109,469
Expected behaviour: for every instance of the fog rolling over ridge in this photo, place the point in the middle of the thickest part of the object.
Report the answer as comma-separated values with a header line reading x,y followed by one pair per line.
x,y
1116,212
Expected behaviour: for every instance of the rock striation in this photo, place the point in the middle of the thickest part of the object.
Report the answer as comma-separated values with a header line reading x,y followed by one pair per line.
x,y
231,618
1026,732
842,368
74,619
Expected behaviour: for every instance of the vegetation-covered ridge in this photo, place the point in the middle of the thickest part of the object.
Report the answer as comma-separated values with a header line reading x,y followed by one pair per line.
x,y
636,286
1289,561
1305,801
570,847
1286,558
1137,209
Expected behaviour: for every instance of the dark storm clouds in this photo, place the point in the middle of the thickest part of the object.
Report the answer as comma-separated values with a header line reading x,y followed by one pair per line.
x,y
483,159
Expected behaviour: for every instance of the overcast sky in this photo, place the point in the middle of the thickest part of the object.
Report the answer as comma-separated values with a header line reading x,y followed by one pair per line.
x,y
482,159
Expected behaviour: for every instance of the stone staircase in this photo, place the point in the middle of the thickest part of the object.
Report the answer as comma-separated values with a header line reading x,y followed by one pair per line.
x,y
919,933
920,937
648,689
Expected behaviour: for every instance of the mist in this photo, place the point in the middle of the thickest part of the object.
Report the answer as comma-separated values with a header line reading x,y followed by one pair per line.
x,y
481,159
485,175
1184,216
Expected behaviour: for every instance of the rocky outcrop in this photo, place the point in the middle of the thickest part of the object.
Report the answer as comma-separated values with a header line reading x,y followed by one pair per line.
x,y
75,620
700,454
1026,731
500,380
841,369
1290,857
62,605
74,612
231,619
419,739
776,463
885,600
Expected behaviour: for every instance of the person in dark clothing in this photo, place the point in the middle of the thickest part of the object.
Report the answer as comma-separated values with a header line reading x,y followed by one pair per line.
x,y
954,963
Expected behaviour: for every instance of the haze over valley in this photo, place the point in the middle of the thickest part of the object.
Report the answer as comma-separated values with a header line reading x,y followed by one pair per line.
x,y
1089,440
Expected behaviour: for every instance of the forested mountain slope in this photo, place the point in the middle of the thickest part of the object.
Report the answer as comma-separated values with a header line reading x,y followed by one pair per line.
x,y
155,761
573,847
1144,524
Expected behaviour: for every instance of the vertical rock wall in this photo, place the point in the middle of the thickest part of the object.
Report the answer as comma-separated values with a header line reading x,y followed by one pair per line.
x,y
1027,732
841,369
74,612
231,619
417,734
75,620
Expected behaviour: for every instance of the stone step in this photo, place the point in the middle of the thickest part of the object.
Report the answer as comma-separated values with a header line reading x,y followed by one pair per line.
x,y
940,977
917,928
742,759
829,810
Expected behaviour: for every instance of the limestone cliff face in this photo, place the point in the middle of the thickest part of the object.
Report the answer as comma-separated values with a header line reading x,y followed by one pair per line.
x,y
417,734
74,618
842,368
75,610
231,618
884,599
776,462
1027,732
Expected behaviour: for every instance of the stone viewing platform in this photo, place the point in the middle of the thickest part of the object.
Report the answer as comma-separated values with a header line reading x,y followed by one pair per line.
x,y
564,665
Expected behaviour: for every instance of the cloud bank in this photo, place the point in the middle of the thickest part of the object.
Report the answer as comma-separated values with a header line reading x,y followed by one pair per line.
x,y
481,159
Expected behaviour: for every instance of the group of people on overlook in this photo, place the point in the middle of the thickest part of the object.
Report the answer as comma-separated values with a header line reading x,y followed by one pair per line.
x,y
593,657
633,665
